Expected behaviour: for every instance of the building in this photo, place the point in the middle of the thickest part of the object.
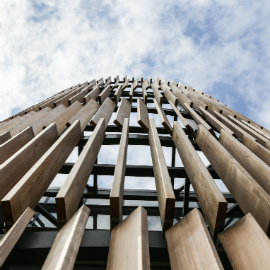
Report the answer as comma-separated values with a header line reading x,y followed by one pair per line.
x,y
194,225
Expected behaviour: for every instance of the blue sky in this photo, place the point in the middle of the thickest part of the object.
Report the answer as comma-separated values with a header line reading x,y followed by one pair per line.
x,y
221,48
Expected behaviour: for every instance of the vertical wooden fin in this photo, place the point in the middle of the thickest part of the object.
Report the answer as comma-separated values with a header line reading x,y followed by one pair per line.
x,y
125,84
166,198
5,137
145,84
163,117
105,111
158,81
129,244
118,93
47,119
260,131
64,250
149,80
180,96
182,119
211,200
11,123
157,94
170,96
214,121
18,128
249,195
69,196
197,103
104,94
190,245
14,233
79,97
246,244
116,195
92,95
257,149
14,168
100,81
144,94
31,187
132,89
249,161
237,130
198,119
85,114
142,115
261,139
64,100
173,82
122,112
11,146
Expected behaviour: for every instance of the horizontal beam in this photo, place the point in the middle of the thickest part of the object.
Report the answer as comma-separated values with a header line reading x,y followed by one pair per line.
x,y
135,170
144,195
33,247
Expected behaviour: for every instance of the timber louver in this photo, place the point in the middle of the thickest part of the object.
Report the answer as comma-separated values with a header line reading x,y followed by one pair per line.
x,y
35,143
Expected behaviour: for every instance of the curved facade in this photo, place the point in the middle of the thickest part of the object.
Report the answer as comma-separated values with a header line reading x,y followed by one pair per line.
x,y
133,174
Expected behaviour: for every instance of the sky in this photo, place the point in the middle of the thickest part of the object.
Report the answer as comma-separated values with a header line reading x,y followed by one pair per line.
x,y
219,47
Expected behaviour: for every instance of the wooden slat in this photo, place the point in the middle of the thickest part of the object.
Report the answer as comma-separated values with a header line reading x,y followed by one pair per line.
x,y
198,119
125,84
14,168
60,115
105,111
116,195
173,82
261,139
248,160
118,93
85,114
157,94
149,79
190,245
237,130
260,131
144,94
14,233
47,119
129,244
145,84
17,129
65,248
8,125
197,103
64,100
4,137
79,97
142,114
259,150
158,80
180,96
163,117
211,200
249,195
29,190
246,245
116,78
92,95
132,89
124,79
50,102
122,112
11,146
141,78
182,119
214,121
100,81
104,94
166,198
69,196
171,97
166,81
